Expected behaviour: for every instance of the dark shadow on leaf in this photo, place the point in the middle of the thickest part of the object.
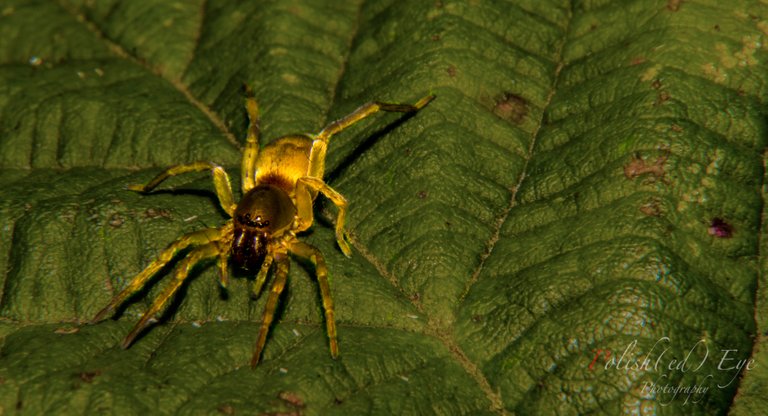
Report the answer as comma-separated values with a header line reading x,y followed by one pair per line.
x,y
339,169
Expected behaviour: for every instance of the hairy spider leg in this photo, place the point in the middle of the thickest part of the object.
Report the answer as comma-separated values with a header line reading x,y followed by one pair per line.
x,y
309,185
283,265
316,185
195,238
262,276
220,181
320,142
212,249
251,152
223,267
316,257
304,201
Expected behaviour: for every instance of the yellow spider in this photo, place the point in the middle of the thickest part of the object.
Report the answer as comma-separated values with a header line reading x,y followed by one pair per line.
x,y
279,186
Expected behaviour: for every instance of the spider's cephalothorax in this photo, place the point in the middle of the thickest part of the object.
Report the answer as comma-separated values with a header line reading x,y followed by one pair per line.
x,y
265,213
279,184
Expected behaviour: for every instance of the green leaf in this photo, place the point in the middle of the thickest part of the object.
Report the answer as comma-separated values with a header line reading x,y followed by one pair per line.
x,y
587,191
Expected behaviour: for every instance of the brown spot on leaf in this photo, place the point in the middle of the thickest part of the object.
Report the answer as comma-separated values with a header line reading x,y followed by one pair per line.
x,y
451,71
637,60
656,84
422,194
116,220
435,37
88,376
152,213
291,398
662,98
676,128
674,5
638,166
720,228
511,107
226,409
651,208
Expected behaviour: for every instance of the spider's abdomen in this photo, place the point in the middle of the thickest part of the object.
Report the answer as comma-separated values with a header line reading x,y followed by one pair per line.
x,y
284,161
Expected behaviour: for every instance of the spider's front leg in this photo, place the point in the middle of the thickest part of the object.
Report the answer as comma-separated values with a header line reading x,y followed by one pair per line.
x,y
283,265
262,276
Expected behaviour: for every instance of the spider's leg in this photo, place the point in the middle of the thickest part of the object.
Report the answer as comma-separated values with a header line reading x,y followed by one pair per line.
x,y
320,144
199,237
313,254
283,264
317,185
304,211
251,152
209,250
223,268
262,276
220,181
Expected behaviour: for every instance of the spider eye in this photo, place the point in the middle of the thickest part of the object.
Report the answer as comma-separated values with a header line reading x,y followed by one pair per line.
x,y
266,208
257,221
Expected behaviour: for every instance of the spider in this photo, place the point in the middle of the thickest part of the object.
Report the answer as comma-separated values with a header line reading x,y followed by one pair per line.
x,y
279,183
